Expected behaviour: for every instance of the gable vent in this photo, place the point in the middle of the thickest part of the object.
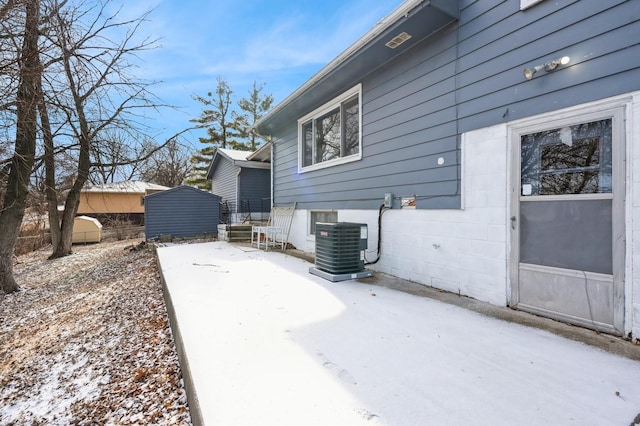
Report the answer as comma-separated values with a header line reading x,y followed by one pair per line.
x,y
397,40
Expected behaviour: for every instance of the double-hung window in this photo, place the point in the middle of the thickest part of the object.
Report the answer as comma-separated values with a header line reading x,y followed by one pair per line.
x,y
330,135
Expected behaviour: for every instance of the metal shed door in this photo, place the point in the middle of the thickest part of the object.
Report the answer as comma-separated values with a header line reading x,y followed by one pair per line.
x,y
568,222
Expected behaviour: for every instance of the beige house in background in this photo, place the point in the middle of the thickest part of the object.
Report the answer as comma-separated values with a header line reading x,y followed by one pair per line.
x,y
120,200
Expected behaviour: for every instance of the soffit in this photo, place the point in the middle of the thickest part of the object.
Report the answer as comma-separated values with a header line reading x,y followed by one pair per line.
x,y
421,20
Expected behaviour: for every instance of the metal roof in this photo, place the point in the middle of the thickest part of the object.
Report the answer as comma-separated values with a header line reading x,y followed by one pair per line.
x,y
127,186
234,154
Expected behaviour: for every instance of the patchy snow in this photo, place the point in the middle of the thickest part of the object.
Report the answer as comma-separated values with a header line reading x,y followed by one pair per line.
x,y
270,344
87,341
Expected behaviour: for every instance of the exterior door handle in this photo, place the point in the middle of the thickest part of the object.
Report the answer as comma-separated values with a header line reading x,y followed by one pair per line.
x,y
513,222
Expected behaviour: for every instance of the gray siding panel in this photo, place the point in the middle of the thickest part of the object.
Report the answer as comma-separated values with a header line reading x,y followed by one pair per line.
x,y
255,187
408,123
600,37
181,212
467,76
224,181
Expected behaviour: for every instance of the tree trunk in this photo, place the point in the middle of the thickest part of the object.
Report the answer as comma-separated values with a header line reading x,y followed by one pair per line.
x,y
63,248
65,232
73,198
50,171
22,163
84,163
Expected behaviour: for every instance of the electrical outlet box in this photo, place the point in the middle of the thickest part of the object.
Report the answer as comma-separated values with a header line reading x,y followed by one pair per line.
x,y
388,200
408,202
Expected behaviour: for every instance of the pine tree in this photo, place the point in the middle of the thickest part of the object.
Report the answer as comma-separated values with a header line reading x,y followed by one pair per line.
x,y
255,106
226,128
221,124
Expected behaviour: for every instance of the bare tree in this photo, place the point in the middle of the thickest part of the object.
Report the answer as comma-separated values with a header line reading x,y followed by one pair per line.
x,y
49,168
11,34
71,67
112,155
26,101
91,89
168,167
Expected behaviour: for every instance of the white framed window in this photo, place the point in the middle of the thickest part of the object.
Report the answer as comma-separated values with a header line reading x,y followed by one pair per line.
x,y
331,134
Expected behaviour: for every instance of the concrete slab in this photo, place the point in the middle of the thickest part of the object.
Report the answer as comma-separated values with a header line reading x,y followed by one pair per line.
x,y
262,341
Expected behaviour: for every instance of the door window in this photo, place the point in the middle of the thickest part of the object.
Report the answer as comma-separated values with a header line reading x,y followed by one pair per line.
x,y
570,160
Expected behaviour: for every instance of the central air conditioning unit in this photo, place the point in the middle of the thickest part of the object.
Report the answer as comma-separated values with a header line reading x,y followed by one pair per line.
x,y
340,251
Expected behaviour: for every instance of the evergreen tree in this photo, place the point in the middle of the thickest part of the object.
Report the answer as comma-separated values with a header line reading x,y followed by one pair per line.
x,y
226,128
255,106
221,124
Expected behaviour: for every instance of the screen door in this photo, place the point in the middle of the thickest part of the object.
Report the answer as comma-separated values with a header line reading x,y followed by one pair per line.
x,y
567,224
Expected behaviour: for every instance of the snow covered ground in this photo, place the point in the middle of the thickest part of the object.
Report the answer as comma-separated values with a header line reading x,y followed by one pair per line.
x,y
87,341
270,344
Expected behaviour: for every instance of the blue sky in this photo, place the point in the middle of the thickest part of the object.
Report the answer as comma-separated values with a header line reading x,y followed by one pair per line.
x,y
281,43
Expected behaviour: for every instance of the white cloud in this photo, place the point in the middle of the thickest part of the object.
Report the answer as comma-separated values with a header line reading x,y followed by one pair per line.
x,y
300,40
282,45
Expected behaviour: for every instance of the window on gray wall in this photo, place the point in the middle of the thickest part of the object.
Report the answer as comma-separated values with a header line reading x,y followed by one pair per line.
x,y
330,135
321,217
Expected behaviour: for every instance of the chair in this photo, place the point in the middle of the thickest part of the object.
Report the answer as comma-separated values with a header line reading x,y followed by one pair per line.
x,y
276,231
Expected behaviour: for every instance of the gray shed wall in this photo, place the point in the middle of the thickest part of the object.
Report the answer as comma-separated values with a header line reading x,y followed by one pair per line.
x,y
467,76
181,212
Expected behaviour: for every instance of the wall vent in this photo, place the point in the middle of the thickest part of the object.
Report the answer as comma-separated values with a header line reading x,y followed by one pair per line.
x,y
397,40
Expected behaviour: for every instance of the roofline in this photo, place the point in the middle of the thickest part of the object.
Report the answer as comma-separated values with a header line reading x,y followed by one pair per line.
x,y
113,188
248,164
182,188
401,11
252,164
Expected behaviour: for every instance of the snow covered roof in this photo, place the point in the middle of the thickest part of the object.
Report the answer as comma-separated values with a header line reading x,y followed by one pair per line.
x,y
234,154
237,158
262,154
127,186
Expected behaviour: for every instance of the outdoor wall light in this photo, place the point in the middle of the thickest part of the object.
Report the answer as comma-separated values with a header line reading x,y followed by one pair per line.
x,y
547,66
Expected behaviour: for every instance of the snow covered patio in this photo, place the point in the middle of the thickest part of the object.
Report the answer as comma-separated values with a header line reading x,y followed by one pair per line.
x,y
266,343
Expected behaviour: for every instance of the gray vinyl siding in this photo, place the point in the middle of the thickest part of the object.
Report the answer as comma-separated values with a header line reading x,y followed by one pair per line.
x,y
255,186
224,181
408,122
181,212
467,76
601,37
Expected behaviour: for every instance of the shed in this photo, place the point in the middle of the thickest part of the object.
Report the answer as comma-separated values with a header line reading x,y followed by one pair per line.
x,y
181,212
86,230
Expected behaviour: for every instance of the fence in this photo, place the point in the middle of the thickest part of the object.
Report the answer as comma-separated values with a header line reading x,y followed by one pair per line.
x,y
251,210
29,243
